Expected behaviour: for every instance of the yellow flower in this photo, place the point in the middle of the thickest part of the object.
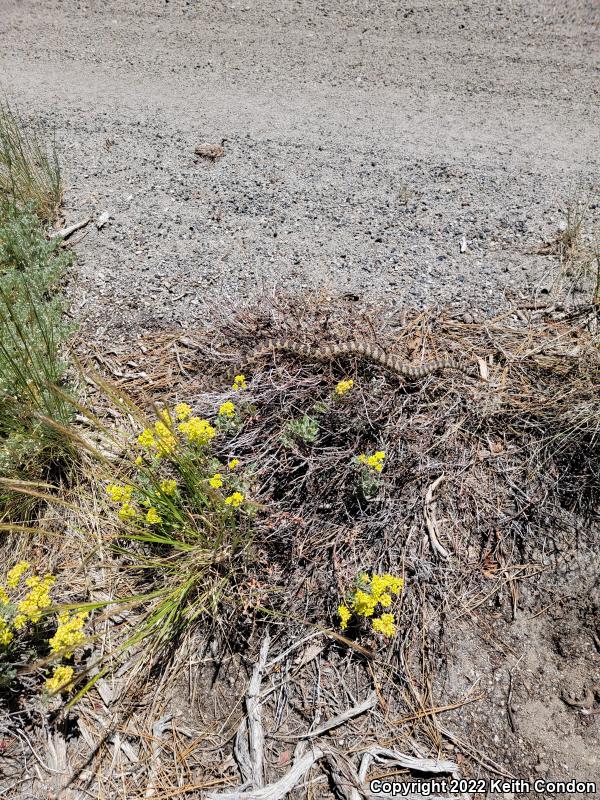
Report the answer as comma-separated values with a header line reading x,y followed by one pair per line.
x,y
139,461
183,411
119,494
235,500
363,603
127,511
166,440
198,431
239,383
38,598
344,614
146,439
233,463
374,462
165,417
384,624
393,584
343,387
152,516
4,598
61,677
16,573
19,622
6,635
378,586
216,481
168,487
227,410
69,634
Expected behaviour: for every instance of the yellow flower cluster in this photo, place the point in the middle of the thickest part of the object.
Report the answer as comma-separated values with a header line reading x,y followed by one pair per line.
x,y
183,411
168,487
160,438
165,438
227,410
345,614
36,601
16,573
372,592
34,604
146,439
61,677
343,387
233,463
152,516
198,431
385,625
6,635
122,494
239,383
126,512
119,494
234,500
216,481
374,462
69,634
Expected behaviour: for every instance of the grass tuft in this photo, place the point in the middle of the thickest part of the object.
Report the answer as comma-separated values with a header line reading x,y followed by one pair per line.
x,y
29,169
32,310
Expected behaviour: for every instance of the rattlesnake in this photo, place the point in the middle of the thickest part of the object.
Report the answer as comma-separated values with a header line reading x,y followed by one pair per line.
x,y
365,350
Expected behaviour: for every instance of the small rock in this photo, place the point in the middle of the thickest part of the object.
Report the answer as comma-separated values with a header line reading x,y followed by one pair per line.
x,y
102,219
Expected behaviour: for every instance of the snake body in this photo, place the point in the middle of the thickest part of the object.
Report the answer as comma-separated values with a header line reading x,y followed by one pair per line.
x,y
365,350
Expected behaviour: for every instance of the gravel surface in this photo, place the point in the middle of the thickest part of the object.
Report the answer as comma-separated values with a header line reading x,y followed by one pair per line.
x,y
365,141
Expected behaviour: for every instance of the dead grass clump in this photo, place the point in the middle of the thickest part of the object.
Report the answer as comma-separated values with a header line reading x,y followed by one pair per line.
x,y
577,246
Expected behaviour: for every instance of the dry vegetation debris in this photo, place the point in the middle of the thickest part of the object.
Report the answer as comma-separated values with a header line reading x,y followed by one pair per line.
x,y
518,453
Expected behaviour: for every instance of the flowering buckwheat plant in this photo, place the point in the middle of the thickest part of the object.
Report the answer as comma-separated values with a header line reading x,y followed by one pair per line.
x,y
370,468
26,618
343,387
370,601
176,470
185,517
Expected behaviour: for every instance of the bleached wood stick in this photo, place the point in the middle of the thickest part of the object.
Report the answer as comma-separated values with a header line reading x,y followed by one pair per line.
x,y
339,719
279,789
66,232
431,521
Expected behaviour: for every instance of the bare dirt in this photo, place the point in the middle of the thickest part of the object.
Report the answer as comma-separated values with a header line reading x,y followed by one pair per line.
x,y
365,140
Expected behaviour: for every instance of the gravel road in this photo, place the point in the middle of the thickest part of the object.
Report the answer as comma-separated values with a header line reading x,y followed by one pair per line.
x,y
365,140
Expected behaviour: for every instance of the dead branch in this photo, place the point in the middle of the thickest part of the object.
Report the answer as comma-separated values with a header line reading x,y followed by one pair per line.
x,y
431,520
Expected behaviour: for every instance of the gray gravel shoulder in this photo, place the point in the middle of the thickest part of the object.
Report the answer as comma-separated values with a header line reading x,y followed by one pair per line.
x,y
364,145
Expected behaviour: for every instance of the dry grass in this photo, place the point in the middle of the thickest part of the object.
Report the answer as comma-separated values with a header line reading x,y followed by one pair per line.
x,y
29,170
577,246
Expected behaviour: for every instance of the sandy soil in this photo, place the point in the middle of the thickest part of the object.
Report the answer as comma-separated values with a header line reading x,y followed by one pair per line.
x,y
365,140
